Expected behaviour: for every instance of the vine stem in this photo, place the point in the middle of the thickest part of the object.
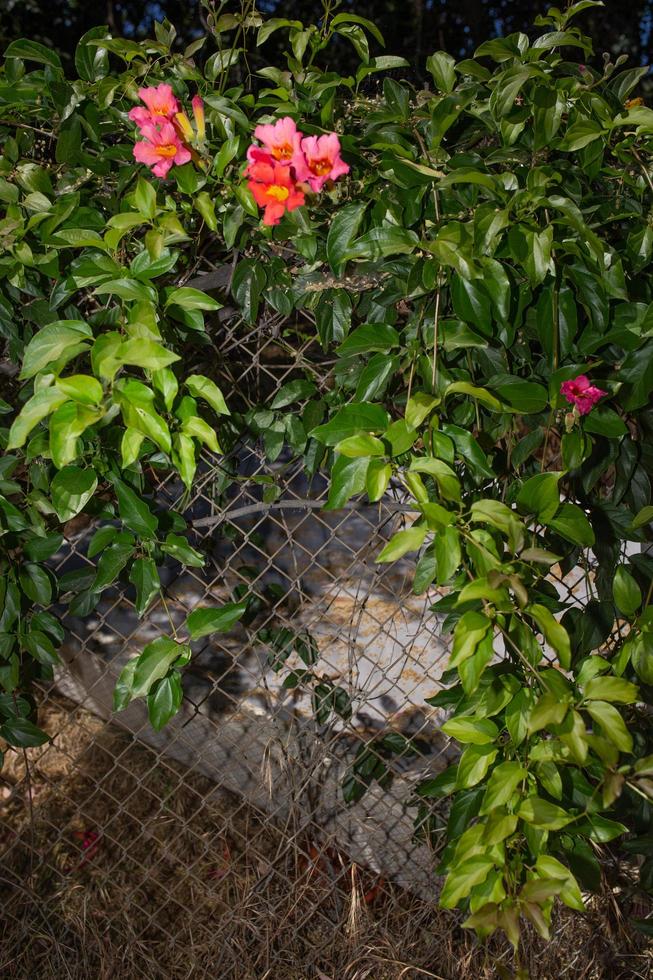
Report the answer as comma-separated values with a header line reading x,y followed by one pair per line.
x,y
257,508
436,321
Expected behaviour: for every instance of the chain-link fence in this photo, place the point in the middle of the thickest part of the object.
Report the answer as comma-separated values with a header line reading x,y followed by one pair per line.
x,y
236,841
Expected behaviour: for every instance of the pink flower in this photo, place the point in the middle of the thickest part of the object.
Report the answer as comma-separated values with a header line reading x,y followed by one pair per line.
x,y
161,105
161,148
321,161
274,189
281,139
581,393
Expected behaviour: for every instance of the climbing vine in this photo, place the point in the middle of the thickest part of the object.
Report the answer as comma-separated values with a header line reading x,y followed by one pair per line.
x,y
483,251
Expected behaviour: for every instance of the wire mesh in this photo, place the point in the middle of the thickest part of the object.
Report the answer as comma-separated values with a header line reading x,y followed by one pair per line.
x,y
227,835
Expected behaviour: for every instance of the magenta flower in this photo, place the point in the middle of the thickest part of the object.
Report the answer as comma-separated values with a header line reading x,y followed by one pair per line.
x,y
161,148
320,161
581,393
161,106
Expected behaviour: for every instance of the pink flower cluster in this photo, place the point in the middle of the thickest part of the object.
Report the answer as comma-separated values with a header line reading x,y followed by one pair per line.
x,y
288,164
581,393
166,130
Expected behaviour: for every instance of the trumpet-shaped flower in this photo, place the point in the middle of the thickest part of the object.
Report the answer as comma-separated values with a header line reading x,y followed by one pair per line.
x,y
161,148
281,139
161,105
198,113
274,189
321,161
581,393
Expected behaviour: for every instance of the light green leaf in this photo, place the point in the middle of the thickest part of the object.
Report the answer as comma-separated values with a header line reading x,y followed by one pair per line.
x,y
402,542
541,813
614,689
554,632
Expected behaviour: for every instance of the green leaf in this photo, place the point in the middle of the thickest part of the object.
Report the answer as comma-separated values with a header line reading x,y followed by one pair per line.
x,y
135,513
540,496
178,548
470,629
112,561
33,51
127,289
248,282
342,231
46,348
471,303
192,299
525,397
541,813
164,701
144,353
500,516
480,394
502,784
477,731
548,710
570,894
613,725
154,663
644,517
145,577
347,18
581,133
402,542
348,477
570,523
447,481
71,489
67,424
361,445
36,583
91,61
369,337
554,632
22,733
443,69
474,764
36,408
40,549
446,546
145,198
626,591
197,427
349,421
382,241
122,692
102,537
293,391
377,479
462,879
611,689
203,622
130,446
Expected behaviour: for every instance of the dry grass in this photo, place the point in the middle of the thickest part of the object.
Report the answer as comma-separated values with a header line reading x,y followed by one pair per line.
x,y
132,868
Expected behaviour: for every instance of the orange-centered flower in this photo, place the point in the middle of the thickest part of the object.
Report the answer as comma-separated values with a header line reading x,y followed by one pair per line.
x,y
161,148
273,188
320,160
281,139
161,105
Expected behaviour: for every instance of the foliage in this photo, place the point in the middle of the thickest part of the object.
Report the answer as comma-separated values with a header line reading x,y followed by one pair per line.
x,y
492,241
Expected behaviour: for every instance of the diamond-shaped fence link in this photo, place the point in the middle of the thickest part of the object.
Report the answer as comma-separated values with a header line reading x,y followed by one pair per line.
x,y
232,821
